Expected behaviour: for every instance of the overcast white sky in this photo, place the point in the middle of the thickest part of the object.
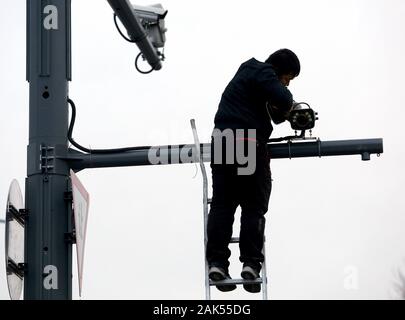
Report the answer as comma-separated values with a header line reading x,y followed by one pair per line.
x,y
328,218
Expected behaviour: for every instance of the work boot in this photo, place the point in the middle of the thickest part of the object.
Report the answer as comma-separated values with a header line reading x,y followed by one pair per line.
x,y
249,272
220,274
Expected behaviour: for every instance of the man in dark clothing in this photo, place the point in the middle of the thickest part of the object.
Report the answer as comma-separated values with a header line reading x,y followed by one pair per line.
x,y
256,96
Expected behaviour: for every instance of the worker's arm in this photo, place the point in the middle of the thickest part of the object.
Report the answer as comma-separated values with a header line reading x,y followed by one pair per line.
x,y
279,98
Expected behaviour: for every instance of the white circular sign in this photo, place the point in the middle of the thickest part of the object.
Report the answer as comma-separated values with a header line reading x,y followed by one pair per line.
x,y
14,241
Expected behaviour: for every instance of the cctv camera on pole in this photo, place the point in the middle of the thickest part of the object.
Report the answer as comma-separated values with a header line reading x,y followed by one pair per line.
x,y
145,27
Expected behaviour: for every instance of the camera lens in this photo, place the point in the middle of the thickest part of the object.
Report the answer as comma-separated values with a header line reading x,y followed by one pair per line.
x,y
302,120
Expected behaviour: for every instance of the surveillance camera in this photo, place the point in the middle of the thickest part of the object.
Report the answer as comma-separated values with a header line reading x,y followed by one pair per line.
x,y
302,119
124,10
152,20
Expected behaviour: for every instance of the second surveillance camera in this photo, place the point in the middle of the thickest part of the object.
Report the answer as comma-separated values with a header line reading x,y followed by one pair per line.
x,y
152,20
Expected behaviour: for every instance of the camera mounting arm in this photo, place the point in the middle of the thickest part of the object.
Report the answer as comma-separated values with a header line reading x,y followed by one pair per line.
x,y
125,12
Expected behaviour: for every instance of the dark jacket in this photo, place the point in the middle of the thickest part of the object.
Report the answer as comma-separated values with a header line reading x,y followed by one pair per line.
x,y
243,103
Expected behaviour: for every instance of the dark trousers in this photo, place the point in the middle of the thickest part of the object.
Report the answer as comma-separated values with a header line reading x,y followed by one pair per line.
x,y
252,193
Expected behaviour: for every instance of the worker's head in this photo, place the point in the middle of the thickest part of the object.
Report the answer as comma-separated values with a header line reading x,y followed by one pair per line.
x,y
286,65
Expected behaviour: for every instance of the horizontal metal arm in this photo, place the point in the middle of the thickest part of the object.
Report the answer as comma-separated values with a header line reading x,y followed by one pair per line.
x,y
364,147
175,154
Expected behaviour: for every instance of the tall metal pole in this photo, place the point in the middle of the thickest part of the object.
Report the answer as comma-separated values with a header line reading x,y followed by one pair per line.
x,y
48,272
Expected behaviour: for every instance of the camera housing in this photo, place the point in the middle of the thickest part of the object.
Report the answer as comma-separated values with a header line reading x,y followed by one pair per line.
x,y
302,119
152,20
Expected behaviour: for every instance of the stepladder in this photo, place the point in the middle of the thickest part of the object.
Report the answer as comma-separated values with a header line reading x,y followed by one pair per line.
x,y
200,157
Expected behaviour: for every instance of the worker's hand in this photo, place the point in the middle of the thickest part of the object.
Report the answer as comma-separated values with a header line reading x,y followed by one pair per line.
x,y
278,116
283,113
296,106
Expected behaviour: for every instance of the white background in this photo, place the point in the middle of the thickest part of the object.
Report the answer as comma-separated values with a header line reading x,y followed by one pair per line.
x,y
330,219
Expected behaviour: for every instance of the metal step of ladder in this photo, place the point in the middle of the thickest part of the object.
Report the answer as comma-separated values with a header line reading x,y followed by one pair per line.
x,y
206,202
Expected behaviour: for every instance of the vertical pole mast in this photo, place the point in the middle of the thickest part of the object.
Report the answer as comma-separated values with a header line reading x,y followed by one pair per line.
x,y
47,254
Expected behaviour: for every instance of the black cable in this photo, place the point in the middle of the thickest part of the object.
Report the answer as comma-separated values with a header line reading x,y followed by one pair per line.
x,y
287,138
137,67
119,30
133,41
96,151
281,139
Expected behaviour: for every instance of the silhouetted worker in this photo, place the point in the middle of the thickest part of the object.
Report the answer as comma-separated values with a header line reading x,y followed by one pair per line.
x,y
256,95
